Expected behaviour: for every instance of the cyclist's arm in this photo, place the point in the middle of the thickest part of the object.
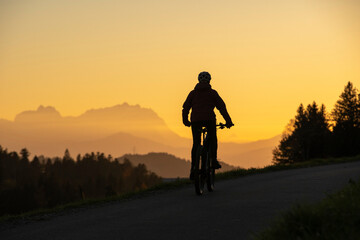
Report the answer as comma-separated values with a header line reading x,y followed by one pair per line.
x,y
186,109
220,105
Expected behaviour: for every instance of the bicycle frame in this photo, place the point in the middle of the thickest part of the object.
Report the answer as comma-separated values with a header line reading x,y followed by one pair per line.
x,y
205,145
204,142
204,171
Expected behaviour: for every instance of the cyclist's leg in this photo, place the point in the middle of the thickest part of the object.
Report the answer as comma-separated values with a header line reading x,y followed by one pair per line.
x,y
213,142
196,132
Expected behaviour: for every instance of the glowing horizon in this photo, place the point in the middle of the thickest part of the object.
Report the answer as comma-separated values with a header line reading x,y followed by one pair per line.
x,y
265,59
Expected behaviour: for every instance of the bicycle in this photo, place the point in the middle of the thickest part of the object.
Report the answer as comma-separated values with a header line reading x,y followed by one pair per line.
x,y
203,165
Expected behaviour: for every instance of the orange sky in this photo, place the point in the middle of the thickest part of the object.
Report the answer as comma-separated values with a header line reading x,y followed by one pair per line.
x,y
265,59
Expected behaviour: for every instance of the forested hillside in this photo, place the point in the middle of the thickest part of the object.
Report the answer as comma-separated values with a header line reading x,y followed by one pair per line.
x,y
44,182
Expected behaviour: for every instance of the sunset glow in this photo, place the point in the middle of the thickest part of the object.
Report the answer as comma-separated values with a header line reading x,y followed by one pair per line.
x,y
265,59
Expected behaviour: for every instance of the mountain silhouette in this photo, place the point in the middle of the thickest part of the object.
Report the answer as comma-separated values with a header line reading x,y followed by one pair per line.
x,y
116,130
42,114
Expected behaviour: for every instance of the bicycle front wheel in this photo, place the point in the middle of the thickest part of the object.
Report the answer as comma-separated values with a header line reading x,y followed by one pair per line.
x,y
198,176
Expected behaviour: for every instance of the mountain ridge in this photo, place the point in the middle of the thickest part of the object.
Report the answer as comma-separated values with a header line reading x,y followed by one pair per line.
x,y
116,130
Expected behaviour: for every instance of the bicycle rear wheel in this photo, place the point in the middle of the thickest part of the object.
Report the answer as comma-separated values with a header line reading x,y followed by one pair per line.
x,y
198,176
210,180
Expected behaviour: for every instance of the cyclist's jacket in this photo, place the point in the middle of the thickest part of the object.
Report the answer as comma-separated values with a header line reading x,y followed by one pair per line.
x,y
202,100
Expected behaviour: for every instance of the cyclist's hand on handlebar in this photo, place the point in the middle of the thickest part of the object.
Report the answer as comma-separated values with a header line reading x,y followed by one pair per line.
x,y
187,123
229,124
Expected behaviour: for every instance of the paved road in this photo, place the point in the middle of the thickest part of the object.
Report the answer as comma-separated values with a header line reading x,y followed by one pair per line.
x,y
235,210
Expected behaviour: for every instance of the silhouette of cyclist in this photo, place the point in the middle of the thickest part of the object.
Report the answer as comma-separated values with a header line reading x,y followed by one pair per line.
x,y
202,101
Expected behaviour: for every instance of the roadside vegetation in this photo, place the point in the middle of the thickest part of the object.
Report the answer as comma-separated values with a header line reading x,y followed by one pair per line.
x,y
335,217
279,167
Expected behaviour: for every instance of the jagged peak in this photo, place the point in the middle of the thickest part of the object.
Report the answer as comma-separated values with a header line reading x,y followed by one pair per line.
x,y
34,115
123,106
47,109
125,110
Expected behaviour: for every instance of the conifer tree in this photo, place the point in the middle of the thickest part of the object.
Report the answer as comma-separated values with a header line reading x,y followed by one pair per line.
x,y
24,154
67,155
307,137
346,118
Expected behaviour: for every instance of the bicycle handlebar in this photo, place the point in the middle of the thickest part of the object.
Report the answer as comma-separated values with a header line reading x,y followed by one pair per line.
x,y
222,125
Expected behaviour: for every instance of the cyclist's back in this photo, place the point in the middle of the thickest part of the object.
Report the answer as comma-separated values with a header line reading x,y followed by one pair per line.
x,y
202,100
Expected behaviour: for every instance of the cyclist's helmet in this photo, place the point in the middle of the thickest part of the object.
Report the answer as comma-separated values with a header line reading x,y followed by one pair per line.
x,y
204,77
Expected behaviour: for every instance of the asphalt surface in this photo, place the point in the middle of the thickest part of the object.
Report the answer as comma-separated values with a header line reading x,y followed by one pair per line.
x,y
237,209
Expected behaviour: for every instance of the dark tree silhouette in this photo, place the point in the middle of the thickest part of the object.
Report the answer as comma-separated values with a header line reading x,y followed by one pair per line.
x,y
24,154
307,136
28,185
346,117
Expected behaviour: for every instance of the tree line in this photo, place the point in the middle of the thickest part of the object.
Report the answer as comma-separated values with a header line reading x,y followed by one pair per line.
x,y
44,183
314,133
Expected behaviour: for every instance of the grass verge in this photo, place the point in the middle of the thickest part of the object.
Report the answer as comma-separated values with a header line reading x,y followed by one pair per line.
x,y
335,217
272,168
39,214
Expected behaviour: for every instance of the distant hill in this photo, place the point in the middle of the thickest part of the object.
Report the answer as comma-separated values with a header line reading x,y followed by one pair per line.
x,y
252,154
166,165
117,130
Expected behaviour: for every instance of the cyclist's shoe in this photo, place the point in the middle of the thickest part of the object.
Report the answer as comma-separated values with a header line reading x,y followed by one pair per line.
x,y
191,175
216,165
